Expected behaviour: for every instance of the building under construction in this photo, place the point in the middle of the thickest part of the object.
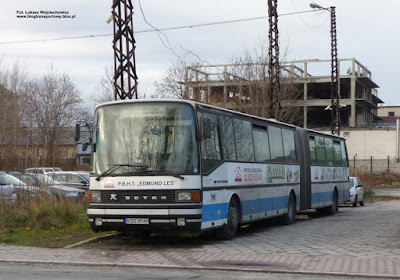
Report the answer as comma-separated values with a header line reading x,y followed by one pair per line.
x,y
308,90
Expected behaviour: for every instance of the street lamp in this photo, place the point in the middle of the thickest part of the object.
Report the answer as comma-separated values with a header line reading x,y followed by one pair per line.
x,y
335,96
314,5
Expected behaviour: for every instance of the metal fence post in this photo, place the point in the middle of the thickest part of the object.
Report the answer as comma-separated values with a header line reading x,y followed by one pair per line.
x,y
371,164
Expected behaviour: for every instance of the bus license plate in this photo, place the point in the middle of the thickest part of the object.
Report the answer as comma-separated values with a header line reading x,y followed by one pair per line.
x,y
137,221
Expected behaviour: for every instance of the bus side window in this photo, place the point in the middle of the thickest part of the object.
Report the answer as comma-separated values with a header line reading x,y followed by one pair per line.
x,y
275,142
289,147
261,145
320,147
228,139
313,150
345,160
210,147
338,153
329,151
244,140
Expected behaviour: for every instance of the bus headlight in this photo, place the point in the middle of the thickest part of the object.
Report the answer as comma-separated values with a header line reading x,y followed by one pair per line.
x,y
94,196
188,196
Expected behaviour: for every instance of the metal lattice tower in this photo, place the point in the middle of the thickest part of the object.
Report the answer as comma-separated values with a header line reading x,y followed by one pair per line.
x,y
125,78
335,97
273,54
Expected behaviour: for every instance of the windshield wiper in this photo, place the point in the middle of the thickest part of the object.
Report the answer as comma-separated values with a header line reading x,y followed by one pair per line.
x,y
157,172
115,167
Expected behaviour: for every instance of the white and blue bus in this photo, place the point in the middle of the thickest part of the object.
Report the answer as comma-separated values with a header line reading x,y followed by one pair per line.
x,y
176,164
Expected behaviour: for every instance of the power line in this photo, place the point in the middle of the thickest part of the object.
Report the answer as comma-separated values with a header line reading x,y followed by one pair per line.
x,y
152,30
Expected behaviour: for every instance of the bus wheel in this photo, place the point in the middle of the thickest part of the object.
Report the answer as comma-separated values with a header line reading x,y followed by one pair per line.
x,y
94,228
355,201
228,231
331,210
290,216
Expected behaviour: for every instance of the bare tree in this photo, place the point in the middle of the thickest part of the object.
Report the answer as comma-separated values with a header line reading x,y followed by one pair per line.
x,y
250,87
12,79
104,91
172,84
53,101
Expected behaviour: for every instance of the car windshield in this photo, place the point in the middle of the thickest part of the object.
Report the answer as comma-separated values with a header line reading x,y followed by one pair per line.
x,y
46,180
144,138
352,182
86,176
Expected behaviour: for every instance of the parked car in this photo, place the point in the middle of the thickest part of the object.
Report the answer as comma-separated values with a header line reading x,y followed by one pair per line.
x,y
8,193
72,179
42,170
13,172
356,192
46,183
21,188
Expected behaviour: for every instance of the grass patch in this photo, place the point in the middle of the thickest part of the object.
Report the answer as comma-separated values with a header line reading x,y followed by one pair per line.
x,y
44,221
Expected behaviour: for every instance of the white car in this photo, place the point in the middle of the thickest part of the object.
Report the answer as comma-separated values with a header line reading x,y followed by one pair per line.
x,y
8,192
79,180
356,192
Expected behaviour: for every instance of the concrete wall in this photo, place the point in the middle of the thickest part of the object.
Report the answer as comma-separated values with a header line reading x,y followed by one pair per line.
x,y
372,149
364,143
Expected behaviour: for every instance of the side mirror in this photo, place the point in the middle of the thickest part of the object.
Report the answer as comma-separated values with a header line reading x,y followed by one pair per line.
x,y
77,132
205,127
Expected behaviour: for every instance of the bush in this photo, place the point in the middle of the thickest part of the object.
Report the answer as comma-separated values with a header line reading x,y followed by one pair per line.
x,y
384,179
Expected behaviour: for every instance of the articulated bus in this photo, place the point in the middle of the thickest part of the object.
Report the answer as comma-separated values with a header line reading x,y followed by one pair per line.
x,y
170,164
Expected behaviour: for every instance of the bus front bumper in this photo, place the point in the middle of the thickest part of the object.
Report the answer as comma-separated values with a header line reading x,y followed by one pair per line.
x,y
145,219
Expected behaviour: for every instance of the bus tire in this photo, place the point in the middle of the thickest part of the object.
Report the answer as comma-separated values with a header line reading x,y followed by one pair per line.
x,y
290,217
94,228
331,210
228,230
355,201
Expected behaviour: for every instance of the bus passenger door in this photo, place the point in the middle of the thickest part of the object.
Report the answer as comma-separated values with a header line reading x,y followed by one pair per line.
x,y
305,168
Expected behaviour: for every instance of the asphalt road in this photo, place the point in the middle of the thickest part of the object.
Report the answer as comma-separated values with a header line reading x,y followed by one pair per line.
x,y
65,272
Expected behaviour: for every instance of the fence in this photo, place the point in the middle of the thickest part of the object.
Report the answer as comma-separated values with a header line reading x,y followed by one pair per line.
x,y
373,165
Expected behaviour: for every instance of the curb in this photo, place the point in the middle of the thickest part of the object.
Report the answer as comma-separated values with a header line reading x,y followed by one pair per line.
x,y
89,240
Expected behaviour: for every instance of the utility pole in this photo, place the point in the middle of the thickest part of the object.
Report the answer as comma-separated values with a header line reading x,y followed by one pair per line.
x,y
273,54
335,97
335,93
125,78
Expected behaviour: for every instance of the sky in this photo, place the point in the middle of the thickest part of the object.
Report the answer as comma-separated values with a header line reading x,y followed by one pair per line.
x,y
366,30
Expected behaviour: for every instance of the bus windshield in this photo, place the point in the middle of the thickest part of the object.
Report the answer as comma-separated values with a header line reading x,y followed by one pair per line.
x,y
145,139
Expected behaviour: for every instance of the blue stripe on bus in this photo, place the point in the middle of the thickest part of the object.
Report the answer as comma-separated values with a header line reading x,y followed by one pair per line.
x,y
322,197
264,205
214,212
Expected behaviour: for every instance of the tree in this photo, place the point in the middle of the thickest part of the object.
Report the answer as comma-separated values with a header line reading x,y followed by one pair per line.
x,y
250,88
172,84
104,91
12,79
53,101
